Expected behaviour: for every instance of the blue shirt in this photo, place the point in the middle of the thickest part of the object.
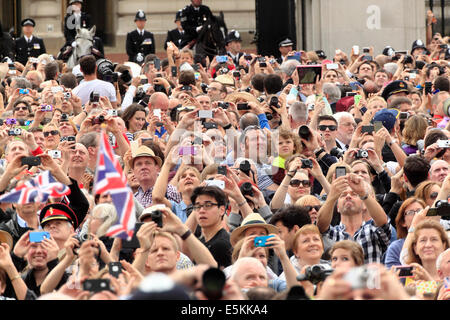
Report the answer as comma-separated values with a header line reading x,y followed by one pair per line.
x,y
180,210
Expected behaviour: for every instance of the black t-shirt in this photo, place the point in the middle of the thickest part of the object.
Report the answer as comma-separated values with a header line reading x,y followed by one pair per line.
x,y
220,247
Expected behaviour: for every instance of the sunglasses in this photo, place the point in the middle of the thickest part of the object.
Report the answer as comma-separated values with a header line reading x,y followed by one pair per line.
x,y
330,127
296,183
309,208
433,195
21,108
53,133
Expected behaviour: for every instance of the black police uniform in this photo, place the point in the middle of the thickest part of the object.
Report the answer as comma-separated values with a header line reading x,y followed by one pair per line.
x,y
70,32
25,49
175,35
234,35
191,18
137,45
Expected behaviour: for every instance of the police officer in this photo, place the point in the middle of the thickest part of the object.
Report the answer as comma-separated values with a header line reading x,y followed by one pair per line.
x,y
75,18
284,46
175,35
233,46
28,45
140,42
192,19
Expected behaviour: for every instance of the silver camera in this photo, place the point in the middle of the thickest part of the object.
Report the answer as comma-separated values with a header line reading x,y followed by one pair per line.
x,y
55,154
112,113
363,277
443,143
67,95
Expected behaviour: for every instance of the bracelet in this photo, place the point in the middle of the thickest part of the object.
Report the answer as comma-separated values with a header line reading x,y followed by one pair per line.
x,y
241,204
15,278
186,235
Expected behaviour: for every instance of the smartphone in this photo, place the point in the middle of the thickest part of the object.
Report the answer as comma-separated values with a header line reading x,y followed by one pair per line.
x,y
340,171
39,236
236,74
205,114
261,241
24,91
95,97
157,63
405,271
332,66
96,285
363,110
351,94
368,129
428,87
144,81
403,115
134,242
222,170
31,161
222,59
209,125
216,183
187,151
377,125
367,58
357,99
294,58
115,269
174,71
356,50
157,113
308,74
243,106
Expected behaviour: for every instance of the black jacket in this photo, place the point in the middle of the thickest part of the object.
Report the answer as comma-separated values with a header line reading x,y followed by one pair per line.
x,y
175,36
139,44
70,30
6,46
25,50
191,19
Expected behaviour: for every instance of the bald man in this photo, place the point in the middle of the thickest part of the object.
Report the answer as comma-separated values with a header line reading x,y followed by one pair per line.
x,y
439,170
249,272
79,160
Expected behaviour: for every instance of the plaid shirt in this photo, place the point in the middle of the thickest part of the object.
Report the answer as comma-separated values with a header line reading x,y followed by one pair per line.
x,y
145,197
374,240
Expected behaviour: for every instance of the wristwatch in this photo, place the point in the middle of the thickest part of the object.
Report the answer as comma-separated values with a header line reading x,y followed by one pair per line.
x,y
411,230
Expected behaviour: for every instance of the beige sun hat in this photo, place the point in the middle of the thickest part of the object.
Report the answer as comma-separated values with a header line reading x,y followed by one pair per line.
x,y
252,220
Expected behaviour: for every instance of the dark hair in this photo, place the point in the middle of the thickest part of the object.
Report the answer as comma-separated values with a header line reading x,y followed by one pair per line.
x,y
186,78
291,216
442,83
416,169
327,118
88,65
20,101
68,80
211,191
432,137
51,70
130,111
396,102
258,81
366,62
273,83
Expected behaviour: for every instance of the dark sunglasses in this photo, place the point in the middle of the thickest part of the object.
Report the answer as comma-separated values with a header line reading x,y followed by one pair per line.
x,y
309,208
53,133
330,127
296,183
21,108
433,195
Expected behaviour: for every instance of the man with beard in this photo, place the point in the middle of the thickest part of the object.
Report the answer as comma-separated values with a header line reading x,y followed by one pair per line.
x,y
355,200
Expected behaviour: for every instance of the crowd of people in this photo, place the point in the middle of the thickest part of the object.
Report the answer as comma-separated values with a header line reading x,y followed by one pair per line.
x,y
253,178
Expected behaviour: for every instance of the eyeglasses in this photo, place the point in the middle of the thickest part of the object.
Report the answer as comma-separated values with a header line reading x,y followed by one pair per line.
x,y
21,108
207,206
412,212
330,127
309,208
53,133
296,183
433,195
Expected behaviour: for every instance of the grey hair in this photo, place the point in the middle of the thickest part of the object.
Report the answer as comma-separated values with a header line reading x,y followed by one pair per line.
x,y
298,111
241,262
390,67
338,116
90,139
440,257
289,67
332,91
106,212
21,83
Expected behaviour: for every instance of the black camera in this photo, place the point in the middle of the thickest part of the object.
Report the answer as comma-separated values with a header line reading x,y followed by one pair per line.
x,y
213,282
274,102
304,132
105,70
336,152
316,273
361,154
247,189
269,116
98,120
245,167
204,87
186,88
223,105
442,209
306,163
157,217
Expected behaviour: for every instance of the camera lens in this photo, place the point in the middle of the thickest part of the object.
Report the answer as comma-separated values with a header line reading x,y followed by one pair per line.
x,y
213,281
304,132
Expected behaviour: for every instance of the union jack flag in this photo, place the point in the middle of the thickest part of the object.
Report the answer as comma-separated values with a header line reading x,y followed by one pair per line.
x,y
36,190
110,178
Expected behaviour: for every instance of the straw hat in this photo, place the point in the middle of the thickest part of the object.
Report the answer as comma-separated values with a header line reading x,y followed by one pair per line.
x,y
144,151
239,96
251,221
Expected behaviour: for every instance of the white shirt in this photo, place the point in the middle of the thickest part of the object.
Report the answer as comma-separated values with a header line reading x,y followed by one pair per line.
x,y
85,88
28,39
141,32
